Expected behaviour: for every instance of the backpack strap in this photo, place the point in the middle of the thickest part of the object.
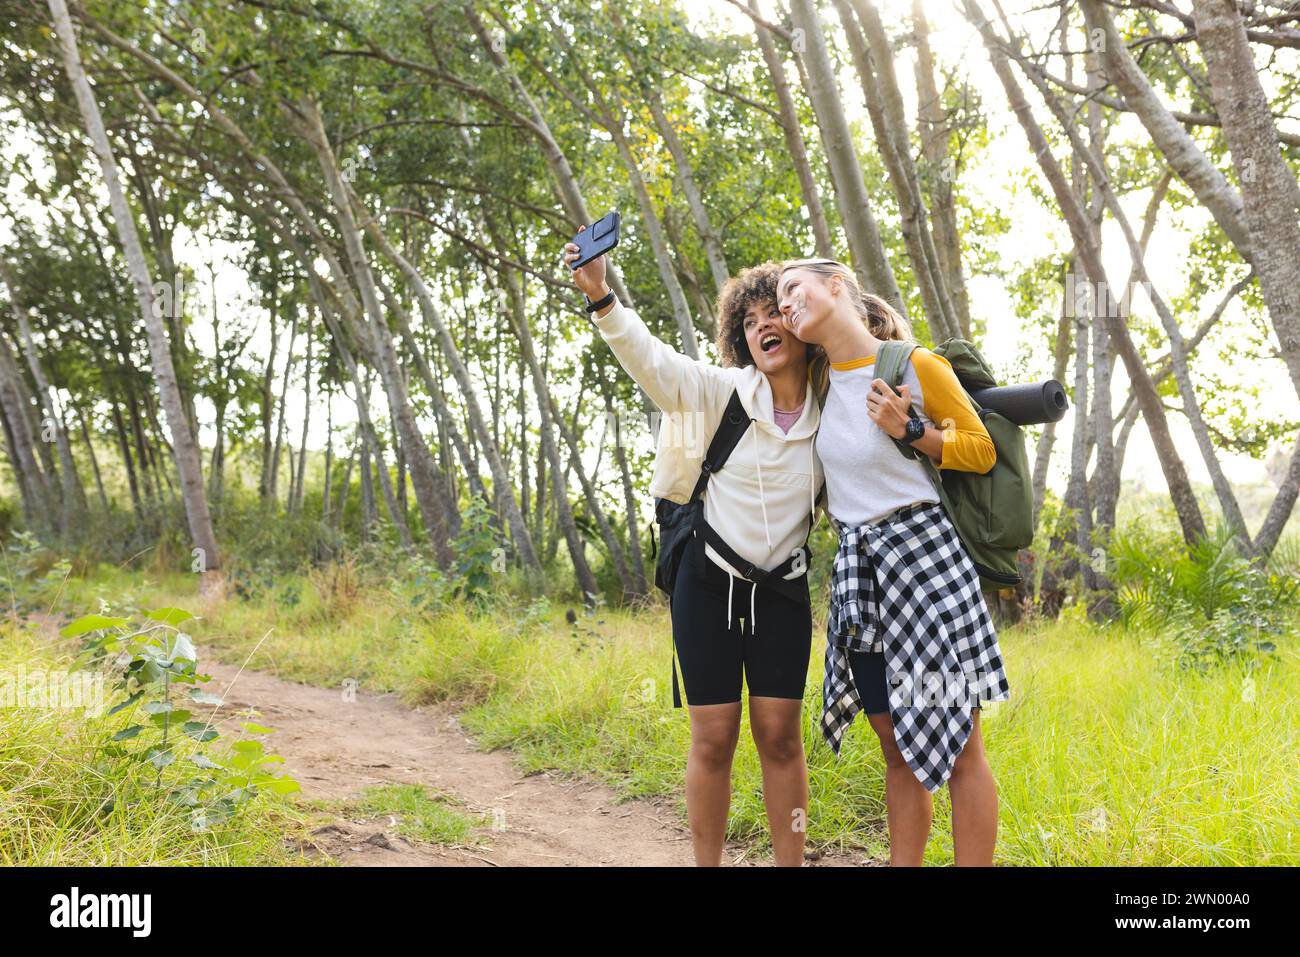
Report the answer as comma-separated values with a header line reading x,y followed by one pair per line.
x,y
735,422
891,361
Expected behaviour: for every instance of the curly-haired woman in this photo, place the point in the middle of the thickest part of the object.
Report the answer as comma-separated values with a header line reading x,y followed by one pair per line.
x,y
748,618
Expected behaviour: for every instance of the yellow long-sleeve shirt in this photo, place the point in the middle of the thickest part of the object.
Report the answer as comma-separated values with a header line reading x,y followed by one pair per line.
x,y
967,446
866,477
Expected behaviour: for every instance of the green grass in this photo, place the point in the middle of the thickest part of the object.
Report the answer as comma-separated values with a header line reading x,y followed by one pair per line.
x,y
62,801
425,816
1105,754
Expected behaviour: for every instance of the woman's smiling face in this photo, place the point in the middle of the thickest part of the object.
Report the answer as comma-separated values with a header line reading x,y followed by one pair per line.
x,y
770,344
804,300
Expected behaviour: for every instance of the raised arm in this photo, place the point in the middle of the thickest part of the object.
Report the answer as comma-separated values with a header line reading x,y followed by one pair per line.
x,y
673,381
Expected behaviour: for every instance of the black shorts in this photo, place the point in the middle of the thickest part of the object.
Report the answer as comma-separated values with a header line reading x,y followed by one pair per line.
x,y
868,669
716,650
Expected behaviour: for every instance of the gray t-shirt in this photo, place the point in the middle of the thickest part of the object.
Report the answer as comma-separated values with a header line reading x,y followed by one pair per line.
x,y
867,477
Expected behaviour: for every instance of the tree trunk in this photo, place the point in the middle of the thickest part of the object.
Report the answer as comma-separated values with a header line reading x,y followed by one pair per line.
x,y
185,447
932,123
295,495
1268,184
440,516
74,497
885,109
794,140
1180,488
868,252
469,395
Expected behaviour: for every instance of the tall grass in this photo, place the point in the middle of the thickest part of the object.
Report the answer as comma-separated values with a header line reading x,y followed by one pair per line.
x,y
1107,752
62,801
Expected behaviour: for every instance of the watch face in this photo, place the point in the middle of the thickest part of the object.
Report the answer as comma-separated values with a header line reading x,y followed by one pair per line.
x,y
915,429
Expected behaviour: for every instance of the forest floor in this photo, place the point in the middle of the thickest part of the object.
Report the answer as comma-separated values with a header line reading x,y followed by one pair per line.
x,y
337,743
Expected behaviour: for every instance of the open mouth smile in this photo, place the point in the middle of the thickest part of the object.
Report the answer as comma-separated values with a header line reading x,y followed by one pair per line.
x,y
770,342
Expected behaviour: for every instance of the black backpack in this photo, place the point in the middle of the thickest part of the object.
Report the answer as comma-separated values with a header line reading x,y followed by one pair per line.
x,y
681,526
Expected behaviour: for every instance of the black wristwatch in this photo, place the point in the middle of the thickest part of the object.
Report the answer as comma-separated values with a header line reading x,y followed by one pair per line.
x,y
915,429
600,303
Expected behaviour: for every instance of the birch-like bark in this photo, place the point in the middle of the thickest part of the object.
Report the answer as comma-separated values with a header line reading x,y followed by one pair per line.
x,y
439,514
1181,493
932,123
473,409
1269,191
794,140
892,144
74,498
185,447
865,247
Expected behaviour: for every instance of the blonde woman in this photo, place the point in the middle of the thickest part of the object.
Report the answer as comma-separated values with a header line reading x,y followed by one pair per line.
x,y
909,638
741,614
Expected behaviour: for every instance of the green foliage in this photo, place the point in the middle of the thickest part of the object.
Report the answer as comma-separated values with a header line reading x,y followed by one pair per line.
x,y
155,664
479,555
1212,605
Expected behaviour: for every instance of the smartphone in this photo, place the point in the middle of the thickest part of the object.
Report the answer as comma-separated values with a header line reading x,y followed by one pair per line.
x,y
599,239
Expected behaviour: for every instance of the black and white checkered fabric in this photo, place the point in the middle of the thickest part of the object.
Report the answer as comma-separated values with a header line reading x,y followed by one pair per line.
x,y
907,583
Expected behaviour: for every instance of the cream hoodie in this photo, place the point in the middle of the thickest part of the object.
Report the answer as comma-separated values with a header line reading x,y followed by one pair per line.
x,y
761,501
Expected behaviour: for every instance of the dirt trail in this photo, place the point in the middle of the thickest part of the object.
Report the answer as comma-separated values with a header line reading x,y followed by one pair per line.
x,y
335,748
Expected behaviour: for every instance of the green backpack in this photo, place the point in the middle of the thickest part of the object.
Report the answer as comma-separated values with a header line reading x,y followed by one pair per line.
x,y
993,512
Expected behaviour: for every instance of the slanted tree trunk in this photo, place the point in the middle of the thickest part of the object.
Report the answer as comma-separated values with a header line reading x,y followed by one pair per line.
x,y
295,496
329,457
74,496
1180,151
518,318
794,140
277,450
694,199
1177,345
865,246
567,188
630,502
933,126
873,58
1269,190
185,447
469,395
94,459
37,496
1171,463
441,519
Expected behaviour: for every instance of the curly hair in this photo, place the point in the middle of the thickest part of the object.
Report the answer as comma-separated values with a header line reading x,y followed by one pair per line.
x,y
757,284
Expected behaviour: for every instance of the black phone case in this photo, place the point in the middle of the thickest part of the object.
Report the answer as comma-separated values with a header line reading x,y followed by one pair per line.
x,y
599,239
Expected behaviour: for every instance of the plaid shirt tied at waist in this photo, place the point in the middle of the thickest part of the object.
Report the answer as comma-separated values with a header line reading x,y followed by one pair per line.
x,y
905,586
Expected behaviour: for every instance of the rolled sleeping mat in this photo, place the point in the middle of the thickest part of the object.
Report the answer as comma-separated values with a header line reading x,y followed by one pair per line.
x,y
1031,403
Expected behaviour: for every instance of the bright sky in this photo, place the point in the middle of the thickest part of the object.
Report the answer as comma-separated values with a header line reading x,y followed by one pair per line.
x,y
997,179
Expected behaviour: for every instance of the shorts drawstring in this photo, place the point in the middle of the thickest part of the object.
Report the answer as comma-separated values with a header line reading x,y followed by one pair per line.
x,y
731,589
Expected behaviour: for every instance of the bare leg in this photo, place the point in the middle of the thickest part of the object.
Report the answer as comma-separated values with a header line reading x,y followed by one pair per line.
x,y
974,803
715,729
910,808
775,725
